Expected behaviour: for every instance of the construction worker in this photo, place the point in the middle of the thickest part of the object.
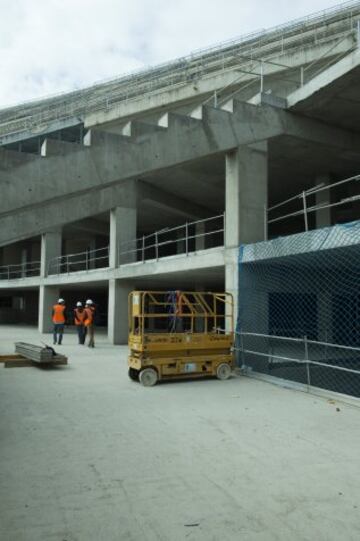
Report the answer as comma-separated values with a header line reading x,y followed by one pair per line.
x,y
90,322
79,320
58,318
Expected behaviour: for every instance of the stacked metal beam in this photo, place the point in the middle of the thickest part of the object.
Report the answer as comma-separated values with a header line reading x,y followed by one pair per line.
x,y
39,354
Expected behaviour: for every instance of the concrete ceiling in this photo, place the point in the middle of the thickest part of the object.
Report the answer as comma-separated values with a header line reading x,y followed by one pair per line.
x,y
336,103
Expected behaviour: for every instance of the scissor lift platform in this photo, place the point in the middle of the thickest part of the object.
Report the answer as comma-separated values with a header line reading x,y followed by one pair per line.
x,y
180,334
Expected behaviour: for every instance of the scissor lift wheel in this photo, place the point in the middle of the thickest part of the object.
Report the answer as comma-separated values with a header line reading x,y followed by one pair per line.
x,y
133,374
223,371
148,377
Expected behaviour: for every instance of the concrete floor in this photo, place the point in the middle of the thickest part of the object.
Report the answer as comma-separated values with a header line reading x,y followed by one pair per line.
x,y
87,454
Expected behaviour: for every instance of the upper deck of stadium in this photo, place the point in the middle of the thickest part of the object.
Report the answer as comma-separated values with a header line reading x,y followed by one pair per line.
x,y
291,54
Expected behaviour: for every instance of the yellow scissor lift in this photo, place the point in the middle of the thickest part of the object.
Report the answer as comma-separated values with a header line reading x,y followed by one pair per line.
x,y
180,334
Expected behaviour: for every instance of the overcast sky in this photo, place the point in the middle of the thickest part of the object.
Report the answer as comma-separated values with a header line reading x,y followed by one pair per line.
x,y
49,46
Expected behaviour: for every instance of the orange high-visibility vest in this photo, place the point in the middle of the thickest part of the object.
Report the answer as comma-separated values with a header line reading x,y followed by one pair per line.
x,y
58,313
89,319
80,316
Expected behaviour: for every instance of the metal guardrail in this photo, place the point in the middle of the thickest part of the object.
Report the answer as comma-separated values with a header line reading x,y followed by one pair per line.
x,y
306,208
80,261
20,270
182,239
101,96
262,69
321,360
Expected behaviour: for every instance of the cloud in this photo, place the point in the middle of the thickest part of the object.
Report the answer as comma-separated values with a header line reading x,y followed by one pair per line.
x,y
51,46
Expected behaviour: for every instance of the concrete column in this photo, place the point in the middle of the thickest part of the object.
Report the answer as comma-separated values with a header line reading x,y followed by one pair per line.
x,y
232,285
48,296
123,229
92,248
200,241
323,216
118,326
50,248
246,194
181,243
23,262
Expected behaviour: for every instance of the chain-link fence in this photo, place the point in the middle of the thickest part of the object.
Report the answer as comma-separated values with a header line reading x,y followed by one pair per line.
x,y
299,308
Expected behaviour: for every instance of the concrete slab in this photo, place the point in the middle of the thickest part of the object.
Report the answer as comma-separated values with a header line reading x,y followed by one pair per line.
x,y
87,454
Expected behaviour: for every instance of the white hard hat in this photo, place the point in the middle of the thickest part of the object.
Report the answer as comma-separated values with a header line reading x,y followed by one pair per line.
x,y
79,303
60,301
89,301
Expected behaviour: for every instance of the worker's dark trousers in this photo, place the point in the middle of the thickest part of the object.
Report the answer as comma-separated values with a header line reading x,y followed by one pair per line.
x,y
81,329
58,332
91,333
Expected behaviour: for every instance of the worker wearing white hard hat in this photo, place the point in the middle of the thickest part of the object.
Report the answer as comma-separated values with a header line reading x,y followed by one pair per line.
x,y
58,318
90,322
79,320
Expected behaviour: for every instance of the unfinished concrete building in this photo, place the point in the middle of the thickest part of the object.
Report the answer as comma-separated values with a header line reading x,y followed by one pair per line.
x,y
155,179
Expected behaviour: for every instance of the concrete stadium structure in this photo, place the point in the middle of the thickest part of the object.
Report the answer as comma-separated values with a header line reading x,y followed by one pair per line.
x,y
155,179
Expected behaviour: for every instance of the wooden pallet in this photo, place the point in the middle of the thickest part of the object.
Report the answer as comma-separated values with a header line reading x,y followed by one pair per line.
x,y
12,361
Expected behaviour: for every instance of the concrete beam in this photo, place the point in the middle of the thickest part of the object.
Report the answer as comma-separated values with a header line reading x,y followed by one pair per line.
x,y
12,159
38,219
85,173
162,199
109,159
137,129
92,226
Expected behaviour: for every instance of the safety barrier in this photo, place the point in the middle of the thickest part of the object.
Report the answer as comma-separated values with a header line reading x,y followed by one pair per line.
x,y
302,207
182,239
315,363
80,261
20,270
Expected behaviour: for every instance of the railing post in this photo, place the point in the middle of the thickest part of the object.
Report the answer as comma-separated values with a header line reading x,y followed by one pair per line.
x,y
143,249
265,223
305,211
261,77
156,246
224,227
186,239
215,99
302,76
8,273
358,33
306,356
67,264
242,351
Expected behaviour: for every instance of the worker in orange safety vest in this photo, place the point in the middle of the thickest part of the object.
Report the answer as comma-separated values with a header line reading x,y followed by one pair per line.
x,y
79,320
90,322
58,319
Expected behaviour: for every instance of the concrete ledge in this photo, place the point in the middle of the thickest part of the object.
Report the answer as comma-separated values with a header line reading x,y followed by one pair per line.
x,y
211,258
